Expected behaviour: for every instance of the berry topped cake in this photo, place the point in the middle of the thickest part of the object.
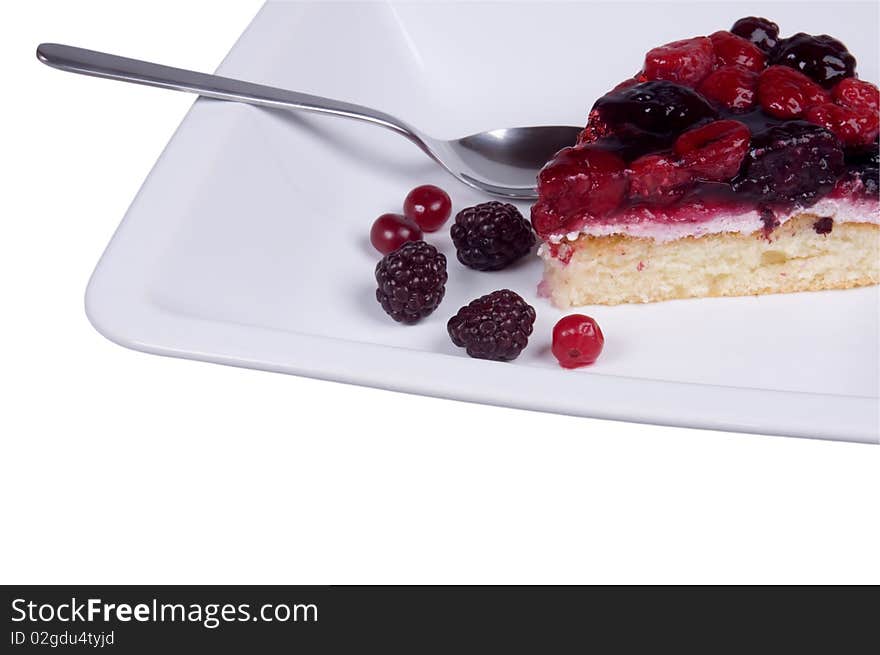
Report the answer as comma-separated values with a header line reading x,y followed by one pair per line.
x,y
732,164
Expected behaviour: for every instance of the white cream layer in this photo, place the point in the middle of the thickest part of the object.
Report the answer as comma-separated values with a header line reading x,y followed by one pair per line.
x,y
842,210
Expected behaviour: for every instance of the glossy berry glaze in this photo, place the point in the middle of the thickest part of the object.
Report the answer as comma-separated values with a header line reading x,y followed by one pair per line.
x,y
736,123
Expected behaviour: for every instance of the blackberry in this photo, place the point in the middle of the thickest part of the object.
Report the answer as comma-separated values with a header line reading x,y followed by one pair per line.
x,y
412,281
649,116
868,155
760,31
496,326
862,175
865,163
871,181
491,236
795,161
822,58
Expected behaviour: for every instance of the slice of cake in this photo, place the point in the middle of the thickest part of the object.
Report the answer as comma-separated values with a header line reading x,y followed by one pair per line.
x,y
733,164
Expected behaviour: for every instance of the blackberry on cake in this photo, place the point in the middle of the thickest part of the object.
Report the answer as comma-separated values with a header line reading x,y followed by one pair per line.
x,y
760,31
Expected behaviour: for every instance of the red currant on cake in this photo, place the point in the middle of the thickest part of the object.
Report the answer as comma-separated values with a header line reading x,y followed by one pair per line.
x,y
428,206
577,341
390,231
705,173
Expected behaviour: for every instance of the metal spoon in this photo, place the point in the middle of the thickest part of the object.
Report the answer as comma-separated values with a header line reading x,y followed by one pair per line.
x,y
503,162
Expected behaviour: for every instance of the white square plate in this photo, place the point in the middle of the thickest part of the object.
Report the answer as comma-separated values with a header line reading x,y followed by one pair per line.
x,y
247,244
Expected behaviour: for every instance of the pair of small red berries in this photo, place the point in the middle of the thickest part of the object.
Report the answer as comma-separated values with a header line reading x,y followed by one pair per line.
x,y
577,341
425,209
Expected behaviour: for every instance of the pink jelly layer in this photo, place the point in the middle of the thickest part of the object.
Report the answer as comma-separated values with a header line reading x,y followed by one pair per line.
x,y
696,221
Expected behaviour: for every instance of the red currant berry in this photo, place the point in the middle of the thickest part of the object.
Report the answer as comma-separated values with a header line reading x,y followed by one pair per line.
x,y
577,341
390,231
428,206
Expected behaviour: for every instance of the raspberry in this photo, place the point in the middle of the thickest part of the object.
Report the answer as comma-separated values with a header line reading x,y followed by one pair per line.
x,y
596,128
760,31
783,100
577,341
658,180
795,162
496,326
855,127
715,151
733,50
412,281
822,58
785,93
491,236
579,180
856,94
731,86
649,115
686,62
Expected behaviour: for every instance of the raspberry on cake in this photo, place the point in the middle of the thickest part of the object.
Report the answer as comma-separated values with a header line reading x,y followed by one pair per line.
x,y
735,164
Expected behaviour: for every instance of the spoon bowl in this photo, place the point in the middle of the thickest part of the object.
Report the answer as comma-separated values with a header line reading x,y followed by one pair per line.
x,y
506,161
503,162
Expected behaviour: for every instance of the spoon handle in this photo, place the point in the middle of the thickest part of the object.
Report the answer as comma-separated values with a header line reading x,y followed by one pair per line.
x,y
102,64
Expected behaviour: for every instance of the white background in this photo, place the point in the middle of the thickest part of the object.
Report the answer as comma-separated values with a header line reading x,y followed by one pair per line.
x,y
121,467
